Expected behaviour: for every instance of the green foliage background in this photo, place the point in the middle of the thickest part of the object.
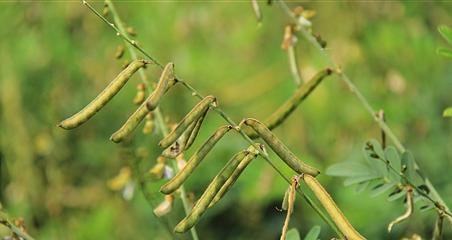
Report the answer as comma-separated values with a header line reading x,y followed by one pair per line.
x,y
56,56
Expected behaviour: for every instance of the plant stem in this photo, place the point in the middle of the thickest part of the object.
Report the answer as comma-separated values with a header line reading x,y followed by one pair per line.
x,y
291,52
221,113
9,224
160,122
363,101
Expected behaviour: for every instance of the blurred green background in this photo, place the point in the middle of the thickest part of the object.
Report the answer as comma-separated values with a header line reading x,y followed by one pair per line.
x,y
56,56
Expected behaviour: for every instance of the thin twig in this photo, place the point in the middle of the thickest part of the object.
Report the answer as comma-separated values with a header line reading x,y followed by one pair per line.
x,y
311,39
221,113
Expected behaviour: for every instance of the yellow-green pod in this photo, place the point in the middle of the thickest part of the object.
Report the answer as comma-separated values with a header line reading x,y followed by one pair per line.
x,y
279,148
135,119
131,123
103,98
173,184
204,201
195,131
330,206
284,111
166,77
191,117
235,175
179,145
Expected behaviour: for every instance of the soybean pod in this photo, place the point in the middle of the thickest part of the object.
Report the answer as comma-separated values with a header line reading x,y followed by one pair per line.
x,y
204,201
284,111
236,174
141,112
165,81
191,117
103,98
173,184
330,206
279,148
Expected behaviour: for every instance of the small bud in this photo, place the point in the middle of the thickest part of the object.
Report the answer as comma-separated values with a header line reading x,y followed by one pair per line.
x,y
320,41
131,31
164,207
149,125
119,181
141,94
157,171
119,51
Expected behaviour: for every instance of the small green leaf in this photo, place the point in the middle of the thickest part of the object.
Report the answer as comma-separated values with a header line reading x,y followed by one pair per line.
x,y
348,169
446,32
359,179
396,195
293,234
376,147
446,52
393,157
362,186
381,188
426,208
313,234
447,112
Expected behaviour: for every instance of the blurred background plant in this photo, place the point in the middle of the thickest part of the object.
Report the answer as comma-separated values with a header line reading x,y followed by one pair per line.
x,y
56,56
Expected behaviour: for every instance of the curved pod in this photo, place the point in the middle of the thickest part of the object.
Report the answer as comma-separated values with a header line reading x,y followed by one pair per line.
x,y
103,98
279,148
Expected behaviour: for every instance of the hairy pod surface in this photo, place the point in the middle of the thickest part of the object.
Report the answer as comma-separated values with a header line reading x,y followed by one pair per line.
x,y
279,148
166,77
204,201
253,152
103,98
191,117
173,184
284,111
333,210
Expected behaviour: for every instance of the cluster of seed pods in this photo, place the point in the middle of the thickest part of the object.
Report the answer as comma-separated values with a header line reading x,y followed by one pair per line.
x,y
185,132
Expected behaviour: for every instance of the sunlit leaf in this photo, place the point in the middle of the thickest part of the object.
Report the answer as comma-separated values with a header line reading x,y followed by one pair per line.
x,y
446,52
313,234
293,234
446,32
447,112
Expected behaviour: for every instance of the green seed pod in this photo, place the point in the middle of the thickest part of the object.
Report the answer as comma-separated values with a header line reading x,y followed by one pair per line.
x,y
284,111
191,117
204,201
131,123
135,119
194,161
279,148
166,77
195,131
106,95
179,146
236,174
333,210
